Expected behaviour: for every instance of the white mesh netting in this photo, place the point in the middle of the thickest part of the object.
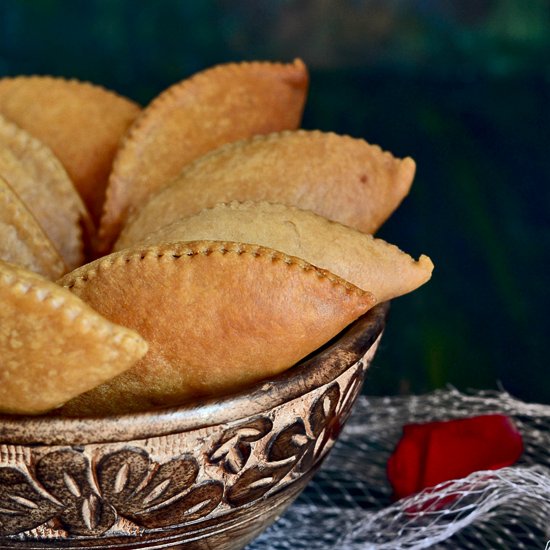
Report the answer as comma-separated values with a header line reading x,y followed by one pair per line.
x,y
348,505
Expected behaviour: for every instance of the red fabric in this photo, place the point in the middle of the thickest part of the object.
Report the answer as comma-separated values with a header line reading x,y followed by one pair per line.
x,y
431,453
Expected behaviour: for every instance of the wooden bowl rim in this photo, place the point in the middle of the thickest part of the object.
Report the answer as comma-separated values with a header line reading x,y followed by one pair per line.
x,y
319,369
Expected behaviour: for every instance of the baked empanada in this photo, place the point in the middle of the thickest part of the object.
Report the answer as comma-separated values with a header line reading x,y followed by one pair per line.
x,y
80,122
338,177
218,316
369,263
41,182
54,346
22,240
220,105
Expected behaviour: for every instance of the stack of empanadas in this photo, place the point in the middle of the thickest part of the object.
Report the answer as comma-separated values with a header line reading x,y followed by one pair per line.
x,y
228,244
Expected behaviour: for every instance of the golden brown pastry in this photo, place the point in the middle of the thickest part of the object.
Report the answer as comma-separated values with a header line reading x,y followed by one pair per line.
x,y
41,182
22,240
218,316
369,263
54,346
80,122
337,177
220,105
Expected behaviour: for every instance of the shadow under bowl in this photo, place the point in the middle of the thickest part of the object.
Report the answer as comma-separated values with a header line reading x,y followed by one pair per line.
x,y
209,475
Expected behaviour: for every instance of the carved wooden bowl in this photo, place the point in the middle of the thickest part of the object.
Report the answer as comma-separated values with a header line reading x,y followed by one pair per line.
x,y
211,475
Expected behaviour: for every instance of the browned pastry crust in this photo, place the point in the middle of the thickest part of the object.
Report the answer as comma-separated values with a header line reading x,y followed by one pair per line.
x,y
80,122
216,106
54,346
369,263
41,182
22,240
338,177
218,316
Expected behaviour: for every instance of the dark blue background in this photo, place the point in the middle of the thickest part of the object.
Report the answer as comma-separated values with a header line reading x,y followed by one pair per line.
x,y
462,86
